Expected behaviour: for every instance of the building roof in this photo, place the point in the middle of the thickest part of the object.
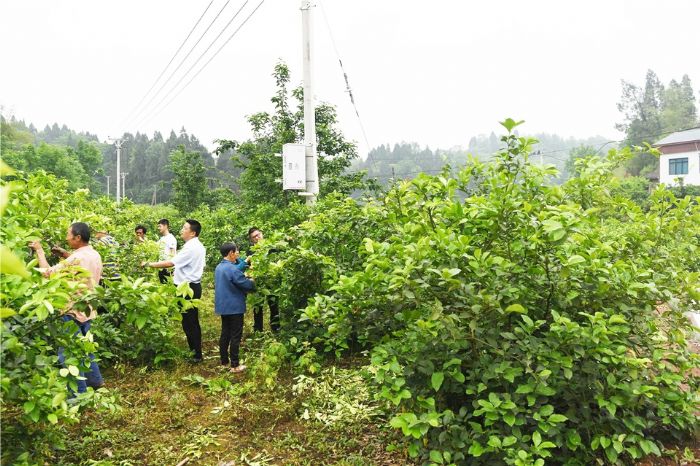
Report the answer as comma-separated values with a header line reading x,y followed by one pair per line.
x,y
680,137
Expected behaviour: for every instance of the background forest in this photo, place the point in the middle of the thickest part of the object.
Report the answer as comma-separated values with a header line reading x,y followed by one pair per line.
x,y
648,112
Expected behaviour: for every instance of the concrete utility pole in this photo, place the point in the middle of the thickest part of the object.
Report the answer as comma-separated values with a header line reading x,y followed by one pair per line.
x,y
312,181
108,177
118,145
124,185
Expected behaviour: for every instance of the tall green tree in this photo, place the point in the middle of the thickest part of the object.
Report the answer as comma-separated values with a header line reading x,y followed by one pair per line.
x,y
678,108
261,167
653,111
189,182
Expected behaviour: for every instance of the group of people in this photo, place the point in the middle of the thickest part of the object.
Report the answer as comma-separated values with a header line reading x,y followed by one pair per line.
x,y
231,286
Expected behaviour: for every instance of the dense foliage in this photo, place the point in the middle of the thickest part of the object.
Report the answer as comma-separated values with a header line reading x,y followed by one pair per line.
x,y
509,320
136,321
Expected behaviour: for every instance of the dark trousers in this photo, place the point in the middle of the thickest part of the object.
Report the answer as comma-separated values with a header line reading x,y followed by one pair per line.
x,y
274,315
190,324
230,341
164,274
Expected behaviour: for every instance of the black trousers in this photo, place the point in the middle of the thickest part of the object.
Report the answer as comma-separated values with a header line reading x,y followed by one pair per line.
x,y
164,274
230,340
190,324
274,315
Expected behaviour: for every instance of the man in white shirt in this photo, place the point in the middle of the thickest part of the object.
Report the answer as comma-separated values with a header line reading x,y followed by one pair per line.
x,y
168,247
189,267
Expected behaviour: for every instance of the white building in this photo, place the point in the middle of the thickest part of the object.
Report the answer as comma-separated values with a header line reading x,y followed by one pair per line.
x,y
680,158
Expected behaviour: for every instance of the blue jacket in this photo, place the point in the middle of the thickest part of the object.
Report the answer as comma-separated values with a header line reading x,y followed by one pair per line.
x,y
242,264
230,288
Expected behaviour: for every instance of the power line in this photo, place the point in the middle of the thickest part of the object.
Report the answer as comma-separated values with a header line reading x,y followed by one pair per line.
x,y
182,61
166,66
167,94
347,83
207,63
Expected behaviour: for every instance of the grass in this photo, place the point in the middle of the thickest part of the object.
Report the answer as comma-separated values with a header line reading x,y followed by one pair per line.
x,y
203,415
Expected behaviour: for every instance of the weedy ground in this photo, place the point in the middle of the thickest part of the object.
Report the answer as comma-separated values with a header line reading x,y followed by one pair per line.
x,y
190,414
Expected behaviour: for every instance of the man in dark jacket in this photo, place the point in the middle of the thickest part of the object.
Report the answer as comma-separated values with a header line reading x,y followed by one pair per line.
x,y
230,289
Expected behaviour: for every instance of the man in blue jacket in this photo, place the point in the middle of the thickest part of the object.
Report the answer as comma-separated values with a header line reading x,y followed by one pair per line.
x,y
230,289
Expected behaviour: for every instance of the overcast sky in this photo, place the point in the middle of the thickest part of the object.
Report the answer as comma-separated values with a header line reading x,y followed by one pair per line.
x,y
436,73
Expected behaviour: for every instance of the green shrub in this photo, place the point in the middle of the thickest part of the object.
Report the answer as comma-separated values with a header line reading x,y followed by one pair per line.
x,y
517,323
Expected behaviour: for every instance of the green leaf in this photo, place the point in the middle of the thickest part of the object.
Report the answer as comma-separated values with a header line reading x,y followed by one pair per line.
x,y
617,319
574,438
58,398
546,410
476,449
575,259
436,380
10,264
516,308
536,438
397,422
524,389
53,419
649,447
28,406
509,419
435,456
510,440
74,371
554,228
611,454
5,169
557,418
509,124
141,321
63,372
6,312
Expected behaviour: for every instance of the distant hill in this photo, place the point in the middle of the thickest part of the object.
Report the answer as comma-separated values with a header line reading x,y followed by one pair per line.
x,y
405,160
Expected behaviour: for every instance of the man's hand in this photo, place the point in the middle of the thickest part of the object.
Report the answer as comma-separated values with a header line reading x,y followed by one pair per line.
x,y
36,245
59,251
144,263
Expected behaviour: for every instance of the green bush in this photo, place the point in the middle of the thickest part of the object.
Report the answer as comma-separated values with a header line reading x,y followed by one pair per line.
x,y
35,396
512,321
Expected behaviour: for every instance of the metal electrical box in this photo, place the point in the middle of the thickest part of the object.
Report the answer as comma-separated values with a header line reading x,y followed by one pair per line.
x,y
294,166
